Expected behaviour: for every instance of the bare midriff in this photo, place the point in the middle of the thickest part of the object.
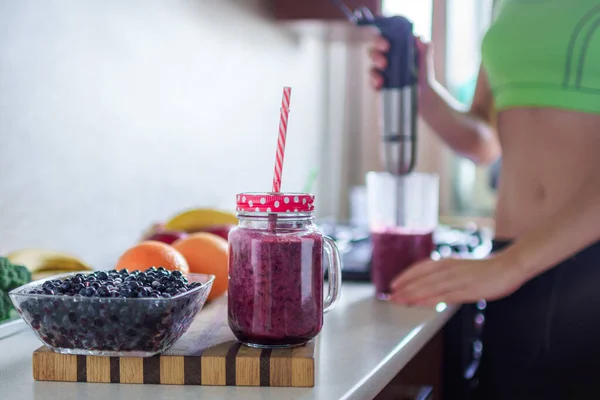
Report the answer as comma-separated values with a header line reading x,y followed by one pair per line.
x,y
548,158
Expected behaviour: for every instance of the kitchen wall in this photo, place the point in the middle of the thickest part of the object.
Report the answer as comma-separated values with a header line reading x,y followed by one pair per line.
x,y
118,113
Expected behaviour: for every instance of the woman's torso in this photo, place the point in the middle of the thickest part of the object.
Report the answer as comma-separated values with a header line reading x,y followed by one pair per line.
x,y
543,62
548,155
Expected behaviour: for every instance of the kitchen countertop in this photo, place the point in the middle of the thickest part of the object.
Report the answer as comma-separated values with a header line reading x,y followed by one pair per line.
x,y
363,345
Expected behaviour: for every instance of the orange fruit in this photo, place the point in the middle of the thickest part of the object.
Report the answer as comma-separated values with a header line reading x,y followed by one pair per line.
x,y
152,254
206,253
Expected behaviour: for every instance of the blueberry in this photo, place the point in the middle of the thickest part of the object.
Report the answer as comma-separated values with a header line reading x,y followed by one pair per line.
x,y
165,280
155,284
49,291
154,295
80,276
117,281
89,292
141,291
90,278
72,316
77,287
172,278
161,288
162,269
176,274
76,279
123,272
103,292
132,285
166,295
142,276
178,284
95,285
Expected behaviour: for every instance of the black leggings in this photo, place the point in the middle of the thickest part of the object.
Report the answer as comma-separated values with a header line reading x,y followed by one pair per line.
x,y
543,341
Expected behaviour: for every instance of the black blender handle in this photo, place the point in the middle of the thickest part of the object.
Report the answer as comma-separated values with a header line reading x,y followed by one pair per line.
x,y
402,55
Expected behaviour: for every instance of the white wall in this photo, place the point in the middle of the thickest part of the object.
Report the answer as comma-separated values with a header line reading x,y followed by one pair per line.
x,y
117,113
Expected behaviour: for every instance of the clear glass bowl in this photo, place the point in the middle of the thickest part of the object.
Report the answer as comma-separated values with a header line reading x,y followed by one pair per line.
x,y
109,326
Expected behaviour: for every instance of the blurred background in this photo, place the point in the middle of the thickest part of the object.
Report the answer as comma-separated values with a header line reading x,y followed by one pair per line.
x,y
120,113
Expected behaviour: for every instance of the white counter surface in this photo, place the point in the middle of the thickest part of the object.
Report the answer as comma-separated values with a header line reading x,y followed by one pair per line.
x,y
363,345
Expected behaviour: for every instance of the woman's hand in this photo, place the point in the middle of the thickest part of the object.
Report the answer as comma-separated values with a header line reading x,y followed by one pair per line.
x,y
456,281
378,54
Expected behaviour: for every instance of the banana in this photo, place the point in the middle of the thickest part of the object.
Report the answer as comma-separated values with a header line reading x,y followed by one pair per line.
x,y
40,260
197,219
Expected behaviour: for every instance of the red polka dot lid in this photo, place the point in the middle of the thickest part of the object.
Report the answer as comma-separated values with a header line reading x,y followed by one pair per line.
x,y
275,202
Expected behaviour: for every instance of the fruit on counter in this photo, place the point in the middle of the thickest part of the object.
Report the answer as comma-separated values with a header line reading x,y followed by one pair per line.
x,y
94,312
165,236
198,219
207,253
11,277
152,253
39,260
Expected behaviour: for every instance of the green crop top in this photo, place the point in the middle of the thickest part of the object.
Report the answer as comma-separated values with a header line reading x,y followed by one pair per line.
x,y
545,53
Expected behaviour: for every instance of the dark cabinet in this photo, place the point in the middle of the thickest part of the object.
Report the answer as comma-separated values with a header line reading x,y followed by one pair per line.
x,y
422,377
318,9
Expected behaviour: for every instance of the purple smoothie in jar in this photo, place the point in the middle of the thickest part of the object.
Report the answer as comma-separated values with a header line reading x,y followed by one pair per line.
x,y
275,294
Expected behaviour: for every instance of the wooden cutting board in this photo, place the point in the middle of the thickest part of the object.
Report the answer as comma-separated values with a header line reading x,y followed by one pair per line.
x,y
207,354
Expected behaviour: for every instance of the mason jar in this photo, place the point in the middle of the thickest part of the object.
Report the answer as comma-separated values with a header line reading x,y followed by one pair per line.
x,y
276,276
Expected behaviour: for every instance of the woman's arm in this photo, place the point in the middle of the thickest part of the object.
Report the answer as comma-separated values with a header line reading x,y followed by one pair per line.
x,y
468,131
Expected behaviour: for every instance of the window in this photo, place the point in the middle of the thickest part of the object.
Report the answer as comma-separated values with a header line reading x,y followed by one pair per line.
x,y
467,22
417,11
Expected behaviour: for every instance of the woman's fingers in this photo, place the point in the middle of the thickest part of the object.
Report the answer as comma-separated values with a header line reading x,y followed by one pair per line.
x,y
381,44
413,273
376,79
378,58
429,286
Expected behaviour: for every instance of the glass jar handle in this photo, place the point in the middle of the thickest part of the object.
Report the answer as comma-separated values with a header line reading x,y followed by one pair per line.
x,y
334,271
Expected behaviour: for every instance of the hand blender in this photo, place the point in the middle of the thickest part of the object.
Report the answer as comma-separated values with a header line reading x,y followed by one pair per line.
x,y
400,88
398,95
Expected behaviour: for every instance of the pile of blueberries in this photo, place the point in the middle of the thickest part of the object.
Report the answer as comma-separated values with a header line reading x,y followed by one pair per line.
x,y
92,312
153,283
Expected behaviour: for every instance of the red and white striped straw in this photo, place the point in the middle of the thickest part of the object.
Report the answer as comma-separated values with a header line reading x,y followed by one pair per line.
x,y
283,121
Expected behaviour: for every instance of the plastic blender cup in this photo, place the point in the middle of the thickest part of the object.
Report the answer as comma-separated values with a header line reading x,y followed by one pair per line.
x,y
403,214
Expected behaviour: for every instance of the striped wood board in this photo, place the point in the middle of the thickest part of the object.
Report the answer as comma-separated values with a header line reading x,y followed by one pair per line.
x,y
207,354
